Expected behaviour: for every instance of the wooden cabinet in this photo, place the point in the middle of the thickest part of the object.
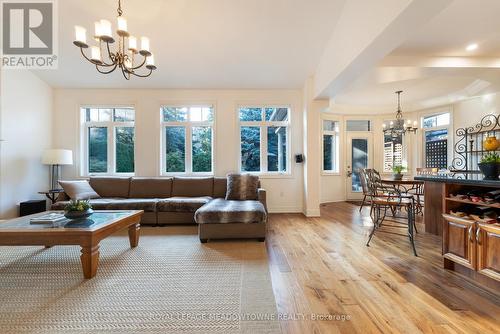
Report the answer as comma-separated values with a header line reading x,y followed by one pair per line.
x,y
473,245
459,242
488,250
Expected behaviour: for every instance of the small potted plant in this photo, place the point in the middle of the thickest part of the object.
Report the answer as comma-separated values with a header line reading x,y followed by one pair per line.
x,y
78,209
490,166
397,172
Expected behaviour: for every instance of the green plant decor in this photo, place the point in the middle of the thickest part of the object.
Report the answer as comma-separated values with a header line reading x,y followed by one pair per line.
x,y
398,169
490,158
77,205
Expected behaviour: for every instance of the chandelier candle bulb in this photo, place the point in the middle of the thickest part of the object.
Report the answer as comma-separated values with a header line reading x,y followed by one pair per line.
x,y
132,43
145,46
106,29
95,54
150,62
98,30
122,26
415,124
384,125
80,37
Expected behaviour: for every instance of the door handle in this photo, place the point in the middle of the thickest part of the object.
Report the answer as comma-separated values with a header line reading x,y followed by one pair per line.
x,y
478,235
471,238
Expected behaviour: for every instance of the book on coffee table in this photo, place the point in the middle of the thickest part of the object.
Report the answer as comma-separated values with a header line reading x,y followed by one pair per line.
x,y
49,218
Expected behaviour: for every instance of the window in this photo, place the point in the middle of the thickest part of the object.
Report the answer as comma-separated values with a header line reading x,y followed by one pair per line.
x,y
264,139
331,146
108,140
358,125
436,130
393,152
187,141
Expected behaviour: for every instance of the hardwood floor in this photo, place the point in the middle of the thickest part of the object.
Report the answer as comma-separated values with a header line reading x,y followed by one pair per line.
x,y
321,266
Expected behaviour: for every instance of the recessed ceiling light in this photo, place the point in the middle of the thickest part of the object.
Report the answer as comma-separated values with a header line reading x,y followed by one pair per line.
x,y
471,47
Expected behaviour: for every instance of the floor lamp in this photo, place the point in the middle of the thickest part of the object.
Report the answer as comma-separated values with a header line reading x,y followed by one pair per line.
x,y
55,158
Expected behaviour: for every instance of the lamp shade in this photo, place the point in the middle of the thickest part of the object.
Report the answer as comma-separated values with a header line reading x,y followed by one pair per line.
x,y
57,157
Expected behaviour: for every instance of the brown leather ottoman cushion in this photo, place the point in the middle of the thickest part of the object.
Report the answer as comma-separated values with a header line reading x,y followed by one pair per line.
x,y
141,187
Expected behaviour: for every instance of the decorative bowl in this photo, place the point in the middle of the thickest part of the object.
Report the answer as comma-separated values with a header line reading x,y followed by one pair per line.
x,y
78,214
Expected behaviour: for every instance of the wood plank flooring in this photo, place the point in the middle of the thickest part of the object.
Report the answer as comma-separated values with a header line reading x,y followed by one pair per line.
x,y
321,267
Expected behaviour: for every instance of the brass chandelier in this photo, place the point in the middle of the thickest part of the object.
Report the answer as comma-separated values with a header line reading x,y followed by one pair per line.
x,y
399,127
126,52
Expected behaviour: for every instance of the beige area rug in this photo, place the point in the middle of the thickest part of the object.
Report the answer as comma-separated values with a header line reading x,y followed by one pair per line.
x,y
170,283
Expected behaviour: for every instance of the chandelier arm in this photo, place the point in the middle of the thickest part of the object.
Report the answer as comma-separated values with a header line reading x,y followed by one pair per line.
x,y
124,72
105,72
91,61
142,64
143,75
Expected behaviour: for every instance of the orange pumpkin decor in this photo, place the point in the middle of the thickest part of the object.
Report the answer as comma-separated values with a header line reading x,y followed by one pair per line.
x,y
491,143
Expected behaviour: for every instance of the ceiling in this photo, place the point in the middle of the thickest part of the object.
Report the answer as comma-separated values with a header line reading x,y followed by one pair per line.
x,y
204,44
428,66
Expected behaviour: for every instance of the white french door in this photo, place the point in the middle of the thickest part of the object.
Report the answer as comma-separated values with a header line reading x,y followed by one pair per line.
x,y
359,155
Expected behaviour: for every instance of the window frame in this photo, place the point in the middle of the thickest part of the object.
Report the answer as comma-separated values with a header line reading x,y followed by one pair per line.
x,y
263,125
188,125
111,140
448,127
339,144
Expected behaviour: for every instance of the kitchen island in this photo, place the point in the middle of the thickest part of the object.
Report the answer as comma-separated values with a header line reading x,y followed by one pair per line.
x,y
470,243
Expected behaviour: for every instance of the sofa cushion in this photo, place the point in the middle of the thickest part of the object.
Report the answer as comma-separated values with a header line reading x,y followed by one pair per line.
x,y
242,187
220,186
220,211
146,204
78,189
111,186
182,204
193,186
141,187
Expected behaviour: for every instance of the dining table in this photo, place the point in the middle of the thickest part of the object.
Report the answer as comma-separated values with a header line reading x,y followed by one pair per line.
x,y
409,186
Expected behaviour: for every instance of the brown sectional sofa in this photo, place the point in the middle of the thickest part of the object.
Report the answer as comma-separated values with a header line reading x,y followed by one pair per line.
x,y
164,200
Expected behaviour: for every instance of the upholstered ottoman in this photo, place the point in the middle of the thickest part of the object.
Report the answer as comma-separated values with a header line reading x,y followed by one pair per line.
x,y
231,219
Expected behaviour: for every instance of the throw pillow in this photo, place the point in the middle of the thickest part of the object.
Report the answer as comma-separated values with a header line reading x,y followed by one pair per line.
x,y
78,189
242,187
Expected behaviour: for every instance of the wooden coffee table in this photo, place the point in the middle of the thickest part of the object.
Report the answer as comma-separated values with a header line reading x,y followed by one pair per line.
x,y
86,233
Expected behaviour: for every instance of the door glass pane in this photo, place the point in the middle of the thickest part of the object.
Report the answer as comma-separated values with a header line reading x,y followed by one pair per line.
x,y
276,149
125,150
359,160
202,149
250,148
175,148
98,150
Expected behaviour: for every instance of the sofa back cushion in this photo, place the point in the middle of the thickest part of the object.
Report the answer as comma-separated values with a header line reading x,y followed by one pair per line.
x,y
142,187
80,189
220,186
193,186
242,187
111,186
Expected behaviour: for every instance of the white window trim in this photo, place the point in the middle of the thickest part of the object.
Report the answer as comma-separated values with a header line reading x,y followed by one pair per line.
x,y
188,139
111,144
263,125
339,148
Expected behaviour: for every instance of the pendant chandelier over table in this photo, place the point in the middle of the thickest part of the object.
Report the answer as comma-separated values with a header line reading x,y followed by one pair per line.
x,y
126,57
399,127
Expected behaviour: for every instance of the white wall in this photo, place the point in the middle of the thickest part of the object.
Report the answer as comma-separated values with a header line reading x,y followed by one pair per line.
x,y
26,119
284,193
